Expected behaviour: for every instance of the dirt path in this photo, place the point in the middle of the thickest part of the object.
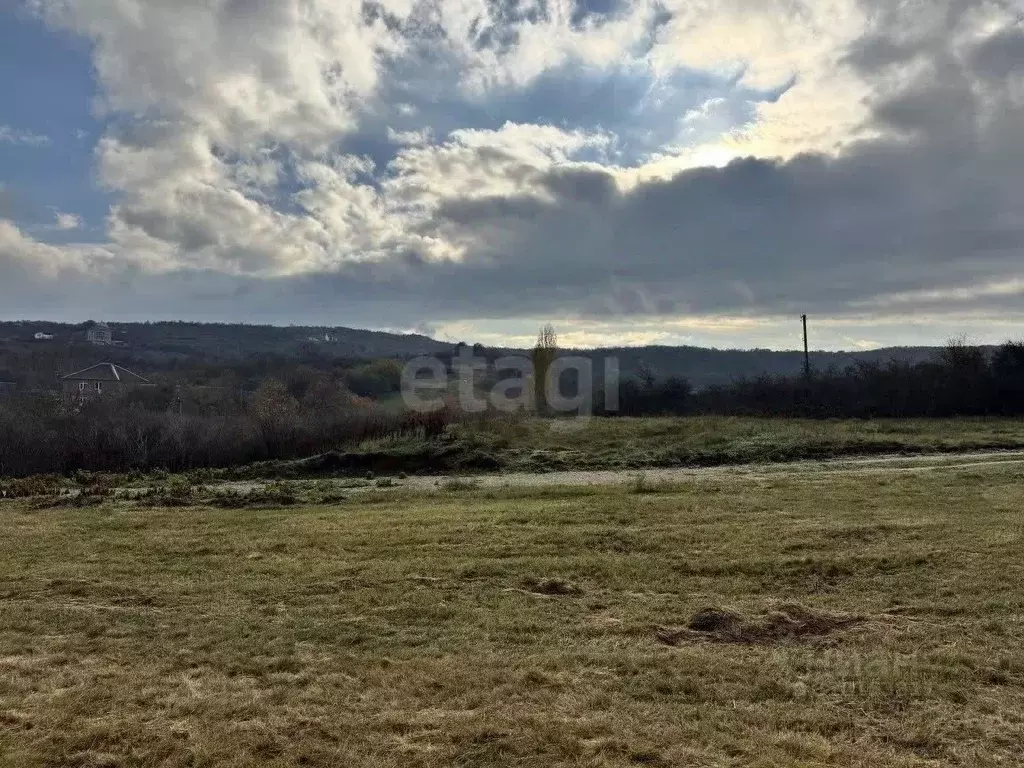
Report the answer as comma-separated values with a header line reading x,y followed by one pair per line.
x,y
871,465
875,465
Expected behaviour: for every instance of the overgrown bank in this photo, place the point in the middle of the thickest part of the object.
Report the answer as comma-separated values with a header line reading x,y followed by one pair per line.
x,y
540,445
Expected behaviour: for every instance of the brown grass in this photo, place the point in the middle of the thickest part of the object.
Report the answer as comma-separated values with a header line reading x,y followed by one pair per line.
x,y
860,620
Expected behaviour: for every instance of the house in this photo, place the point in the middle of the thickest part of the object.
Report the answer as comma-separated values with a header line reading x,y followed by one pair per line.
x,y
43,336
100,335
102,379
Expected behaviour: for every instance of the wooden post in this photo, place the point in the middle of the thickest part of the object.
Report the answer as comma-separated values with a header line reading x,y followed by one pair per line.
x,y
807,350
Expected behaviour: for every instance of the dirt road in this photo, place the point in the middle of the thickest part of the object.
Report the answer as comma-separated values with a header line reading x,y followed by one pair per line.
x,y
886,465
654,476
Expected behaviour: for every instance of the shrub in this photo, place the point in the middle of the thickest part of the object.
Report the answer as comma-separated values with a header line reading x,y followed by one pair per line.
x,y
38,485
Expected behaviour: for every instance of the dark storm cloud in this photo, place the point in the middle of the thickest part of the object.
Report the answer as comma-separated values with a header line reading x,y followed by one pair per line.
x,y
756,237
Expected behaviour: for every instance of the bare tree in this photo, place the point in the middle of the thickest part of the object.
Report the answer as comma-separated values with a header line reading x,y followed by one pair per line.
x,y
544,355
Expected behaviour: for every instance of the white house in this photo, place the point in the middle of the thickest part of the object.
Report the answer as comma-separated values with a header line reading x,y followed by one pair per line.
x,y
100,334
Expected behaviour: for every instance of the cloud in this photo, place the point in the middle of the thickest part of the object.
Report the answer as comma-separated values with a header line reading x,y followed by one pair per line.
x,y
241,72
67,221
9,135
622,165
26,261
777,43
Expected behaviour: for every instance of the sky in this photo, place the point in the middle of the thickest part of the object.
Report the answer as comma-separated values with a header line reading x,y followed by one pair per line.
x,y
696,172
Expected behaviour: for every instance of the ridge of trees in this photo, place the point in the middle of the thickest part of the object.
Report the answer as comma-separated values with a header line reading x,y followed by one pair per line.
x,y
961,380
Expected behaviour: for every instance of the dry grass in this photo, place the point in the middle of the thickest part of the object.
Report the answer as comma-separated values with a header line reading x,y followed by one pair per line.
x,y
540,445
858,621
546,445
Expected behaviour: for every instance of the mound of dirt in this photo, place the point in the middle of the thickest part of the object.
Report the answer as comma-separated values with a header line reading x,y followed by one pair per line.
x,y
552,587
790,621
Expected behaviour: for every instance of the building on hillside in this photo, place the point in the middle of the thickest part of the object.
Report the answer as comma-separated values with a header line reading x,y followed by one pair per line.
x,y
100,380
43,336
100,335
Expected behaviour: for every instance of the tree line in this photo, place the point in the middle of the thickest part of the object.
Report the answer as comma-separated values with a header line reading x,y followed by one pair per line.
x,y
962,380
175,430
306,411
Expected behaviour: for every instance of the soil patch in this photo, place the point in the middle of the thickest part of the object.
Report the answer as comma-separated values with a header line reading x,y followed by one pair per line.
x,y
787,622
552,587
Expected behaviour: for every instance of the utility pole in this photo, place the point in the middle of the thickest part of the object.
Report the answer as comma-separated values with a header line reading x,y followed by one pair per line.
x,y
807,349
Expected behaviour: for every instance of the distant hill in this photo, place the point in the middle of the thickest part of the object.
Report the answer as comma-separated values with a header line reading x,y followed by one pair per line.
x,y
164,345
705,367
213,341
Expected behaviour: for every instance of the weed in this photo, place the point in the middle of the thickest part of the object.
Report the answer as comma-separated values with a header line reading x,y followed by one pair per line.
x,y
453,484
640,484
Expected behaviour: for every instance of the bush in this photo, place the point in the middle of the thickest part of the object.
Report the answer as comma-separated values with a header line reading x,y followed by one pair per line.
x,y
180,493
38,485
45,435
273,495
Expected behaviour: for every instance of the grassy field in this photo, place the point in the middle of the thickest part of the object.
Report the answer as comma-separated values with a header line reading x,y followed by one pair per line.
x,y
537,445
839,620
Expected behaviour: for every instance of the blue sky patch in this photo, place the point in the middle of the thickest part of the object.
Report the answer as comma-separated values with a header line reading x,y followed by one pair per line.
x,y
47,90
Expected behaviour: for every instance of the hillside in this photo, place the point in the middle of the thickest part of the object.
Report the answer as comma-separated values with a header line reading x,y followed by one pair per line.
x,y
176,346
214,341
705,367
